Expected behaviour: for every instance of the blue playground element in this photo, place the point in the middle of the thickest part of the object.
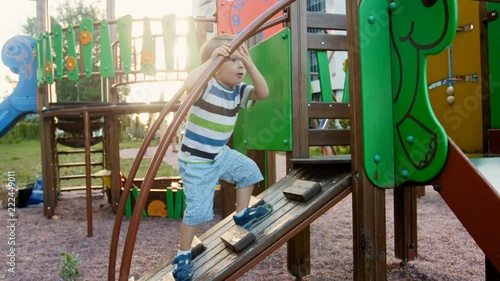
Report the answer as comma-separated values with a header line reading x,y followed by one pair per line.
x,y
18,55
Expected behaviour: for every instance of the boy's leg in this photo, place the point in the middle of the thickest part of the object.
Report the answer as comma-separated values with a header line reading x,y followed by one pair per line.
x,y
183,268
243,196
187,235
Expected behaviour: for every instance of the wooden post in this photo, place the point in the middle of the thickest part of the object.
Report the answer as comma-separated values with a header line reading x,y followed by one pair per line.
x,y
368,201
298,248
485,74
405,223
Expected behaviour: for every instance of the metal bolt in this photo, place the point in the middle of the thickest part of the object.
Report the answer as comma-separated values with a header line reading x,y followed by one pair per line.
x,y
392,6
376,158
371,19
410,139
284,36
404,173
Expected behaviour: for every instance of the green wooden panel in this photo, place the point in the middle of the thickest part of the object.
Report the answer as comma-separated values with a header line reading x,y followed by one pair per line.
x,y
169,40
87,45
420,142
193,59
170,203
49,61
324,76
268,124
128,205
376,92
58,49
40,77
179,196
494,63
345,96
124,29
148,55
106,67
72,68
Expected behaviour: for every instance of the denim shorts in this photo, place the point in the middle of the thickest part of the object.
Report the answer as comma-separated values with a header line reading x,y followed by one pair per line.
x,y
200,179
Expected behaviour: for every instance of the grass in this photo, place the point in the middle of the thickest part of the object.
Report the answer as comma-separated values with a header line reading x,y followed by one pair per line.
x,y
24,158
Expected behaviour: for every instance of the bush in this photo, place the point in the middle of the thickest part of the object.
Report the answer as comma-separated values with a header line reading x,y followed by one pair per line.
x,y
69,266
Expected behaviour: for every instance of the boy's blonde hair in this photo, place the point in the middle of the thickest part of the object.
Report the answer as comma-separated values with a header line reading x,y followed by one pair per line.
x,y
213,43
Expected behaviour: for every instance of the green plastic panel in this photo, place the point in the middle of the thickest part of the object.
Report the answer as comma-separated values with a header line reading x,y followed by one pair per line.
x,y
345,96
148,50
494,63
87,45
124,29
420,142
49,61
193,59
169,37
376,92
73,74
58,49
268,124
324,76
106,67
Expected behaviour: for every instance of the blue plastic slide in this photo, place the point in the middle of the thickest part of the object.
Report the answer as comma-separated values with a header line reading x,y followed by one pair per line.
x,y
18,55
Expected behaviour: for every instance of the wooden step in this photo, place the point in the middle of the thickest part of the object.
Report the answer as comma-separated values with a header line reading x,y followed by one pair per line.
x,y
80,164
75,188
72,177
79,151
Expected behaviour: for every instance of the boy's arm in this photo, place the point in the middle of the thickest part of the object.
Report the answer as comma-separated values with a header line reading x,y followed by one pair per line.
x,y
195,75
261,91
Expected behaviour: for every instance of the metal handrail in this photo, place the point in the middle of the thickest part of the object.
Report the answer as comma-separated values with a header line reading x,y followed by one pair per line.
x,y
167,138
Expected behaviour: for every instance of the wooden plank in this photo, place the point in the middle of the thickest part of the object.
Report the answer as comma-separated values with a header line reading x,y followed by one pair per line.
x,y
211,237
331,110
332,159
326,21
237,238
302,190
300,84
319,137
369,233
327,42
485,75
218,262
405,223
271,230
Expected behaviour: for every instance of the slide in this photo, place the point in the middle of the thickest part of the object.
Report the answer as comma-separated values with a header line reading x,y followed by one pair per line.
x,y
18,55
471,188
218,262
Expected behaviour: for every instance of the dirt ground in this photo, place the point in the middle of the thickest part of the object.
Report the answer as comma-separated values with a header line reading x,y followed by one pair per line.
x,y
446,251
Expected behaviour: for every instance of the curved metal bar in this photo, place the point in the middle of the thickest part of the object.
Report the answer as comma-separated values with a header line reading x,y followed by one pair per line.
x,y
167,138
130,179
272,23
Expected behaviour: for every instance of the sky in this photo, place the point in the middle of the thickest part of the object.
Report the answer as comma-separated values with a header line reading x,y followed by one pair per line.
x,y
15,15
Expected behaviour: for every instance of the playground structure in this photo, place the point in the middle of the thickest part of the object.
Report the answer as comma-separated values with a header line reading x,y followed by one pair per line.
x,y
383,154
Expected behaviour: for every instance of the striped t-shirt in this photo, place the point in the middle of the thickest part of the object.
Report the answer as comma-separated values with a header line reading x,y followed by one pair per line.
x,y
211,121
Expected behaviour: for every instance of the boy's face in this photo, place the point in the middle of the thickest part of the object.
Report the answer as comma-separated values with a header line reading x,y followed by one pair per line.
x,y
232,72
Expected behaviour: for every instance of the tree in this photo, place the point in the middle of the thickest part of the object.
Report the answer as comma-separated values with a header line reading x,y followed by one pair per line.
x,y
72,13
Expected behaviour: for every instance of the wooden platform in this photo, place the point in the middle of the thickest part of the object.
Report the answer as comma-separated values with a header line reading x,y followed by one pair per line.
x,y
288,217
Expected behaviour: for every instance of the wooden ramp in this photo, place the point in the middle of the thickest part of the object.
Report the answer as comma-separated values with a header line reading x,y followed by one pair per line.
x,y
473,193
289,217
